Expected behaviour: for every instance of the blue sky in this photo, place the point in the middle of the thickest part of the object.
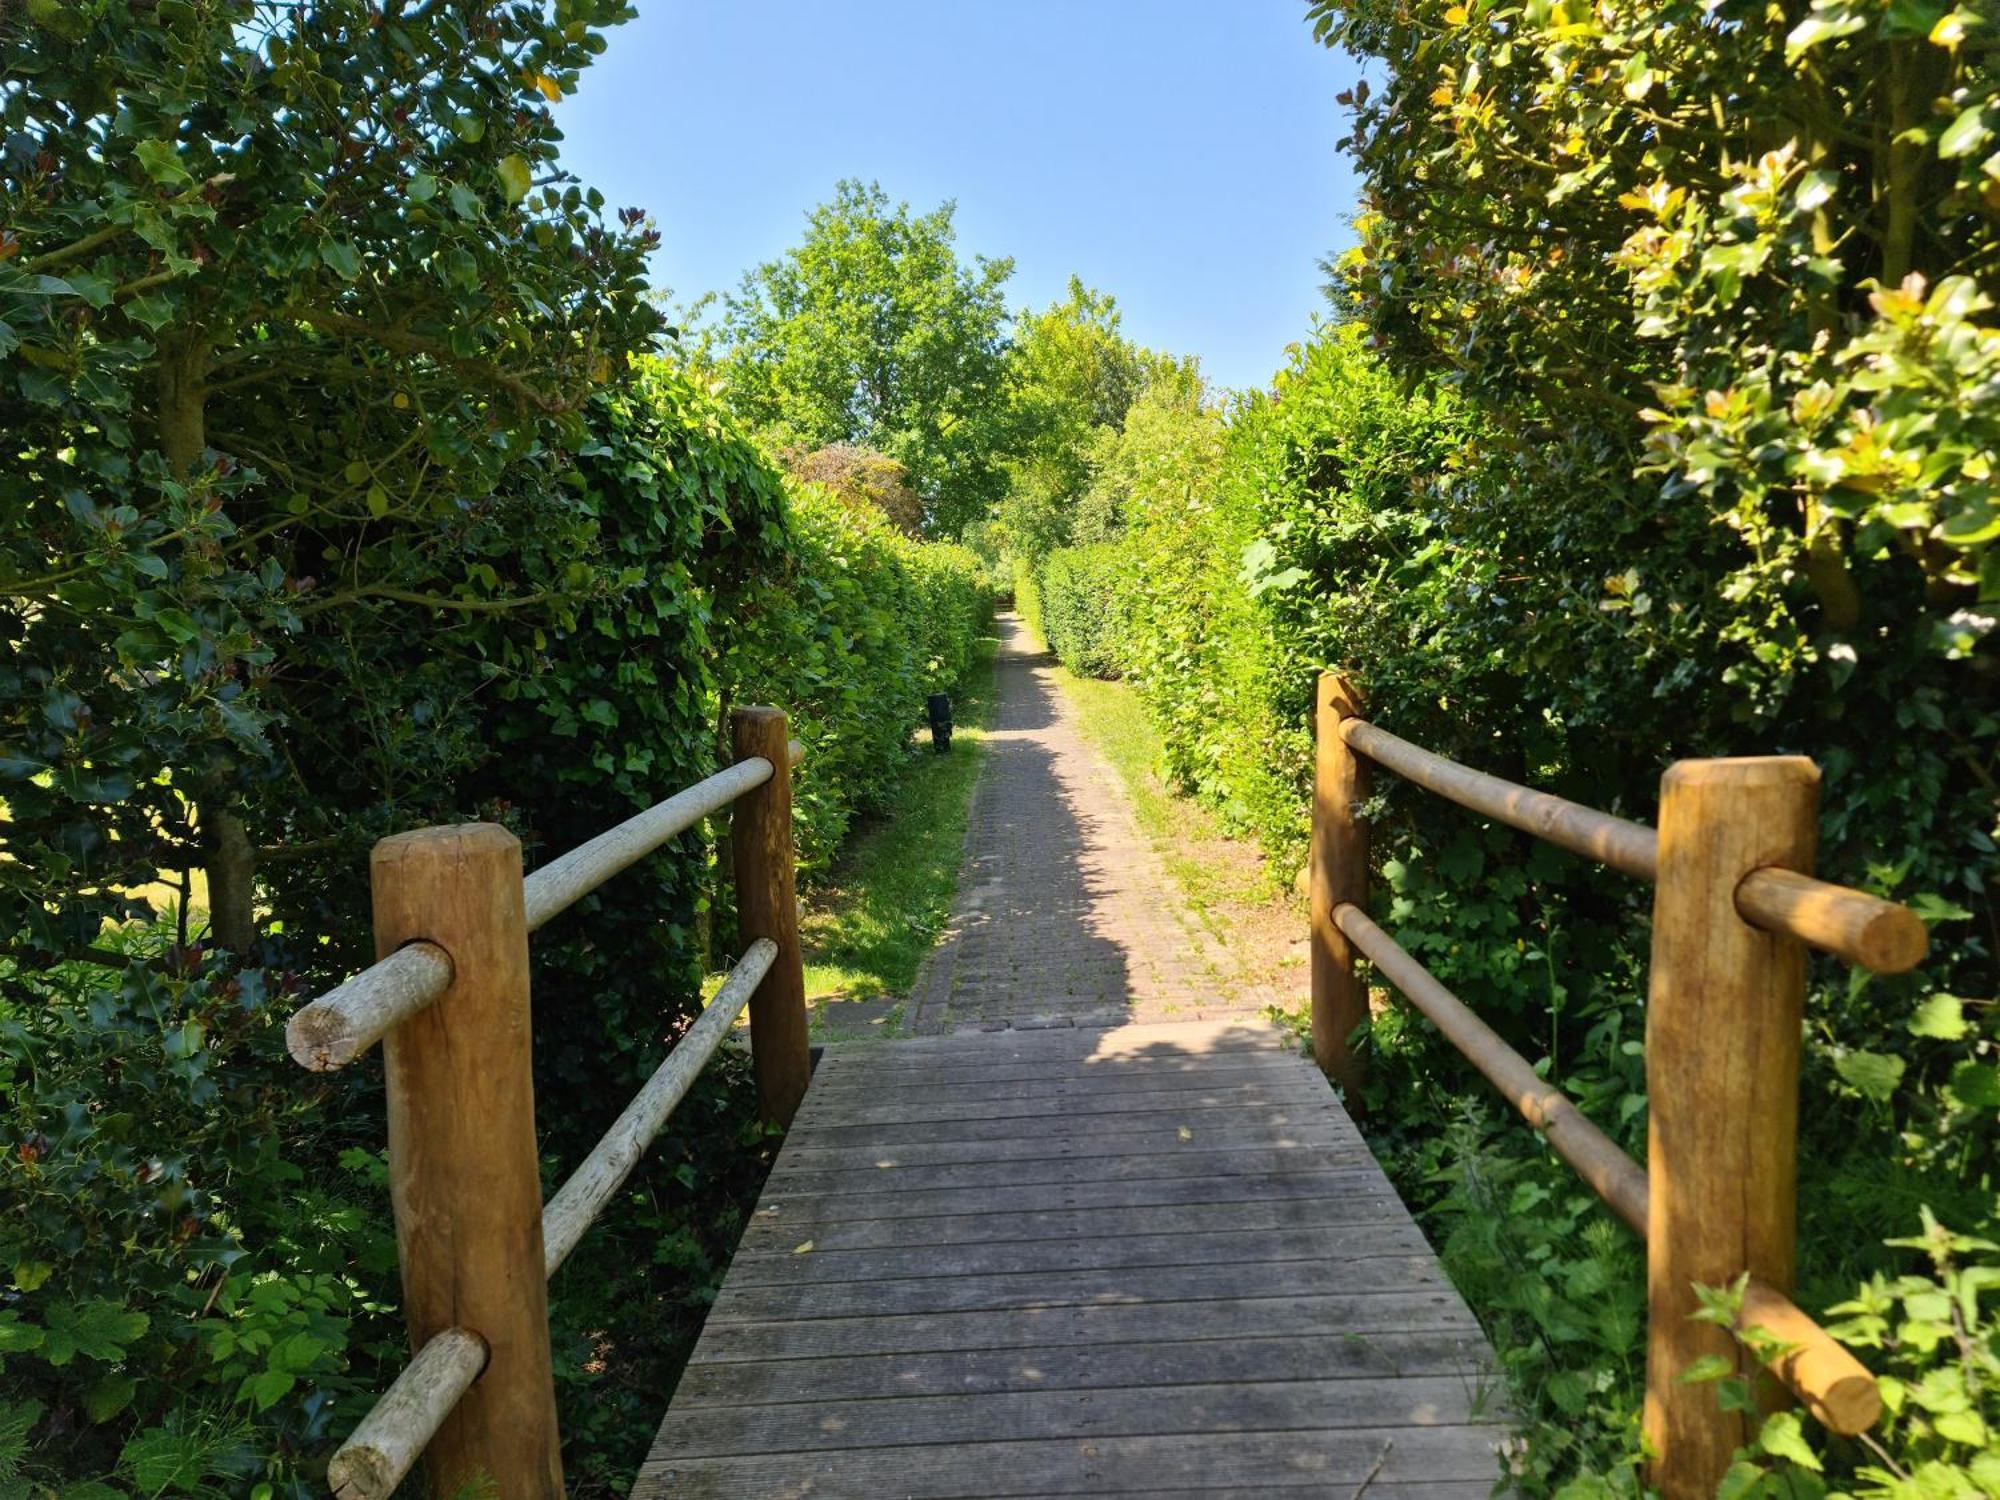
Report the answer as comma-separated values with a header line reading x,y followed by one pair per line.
x,y
1176,153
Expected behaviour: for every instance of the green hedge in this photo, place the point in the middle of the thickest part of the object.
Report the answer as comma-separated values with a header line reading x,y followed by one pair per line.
x,y
1080,592
850,636
198,1241
1577,639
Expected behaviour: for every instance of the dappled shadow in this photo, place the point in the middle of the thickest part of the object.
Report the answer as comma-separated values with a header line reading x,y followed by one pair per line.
x,y
1063,916
1144,1259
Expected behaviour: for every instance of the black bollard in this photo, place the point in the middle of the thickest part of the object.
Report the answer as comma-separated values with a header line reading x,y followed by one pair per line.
x,y
940,716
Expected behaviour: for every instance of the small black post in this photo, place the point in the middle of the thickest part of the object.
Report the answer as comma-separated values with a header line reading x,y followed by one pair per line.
x,y
940,716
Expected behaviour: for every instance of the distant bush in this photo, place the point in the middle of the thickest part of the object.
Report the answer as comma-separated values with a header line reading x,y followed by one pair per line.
x,y
1080,589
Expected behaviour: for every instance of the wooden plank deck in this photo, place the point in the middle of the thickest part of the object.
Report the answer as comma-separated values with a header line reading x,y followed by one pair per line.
x,y
1152,1260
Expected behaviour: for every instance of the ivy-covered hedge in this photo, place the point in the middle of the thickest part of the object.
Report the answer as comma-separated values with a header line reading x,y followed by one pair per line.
x,y
850,634
202,1271
1079,590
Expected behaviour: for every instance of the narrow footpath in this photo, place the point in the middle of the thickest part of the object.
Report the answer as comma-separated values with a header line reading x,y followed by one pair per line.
x,y
1065,915
1088,1236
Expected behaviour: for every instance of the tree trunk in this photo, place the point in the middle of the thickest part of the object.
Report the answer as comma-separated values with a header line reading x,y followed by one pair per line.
x,y
231,859
232,877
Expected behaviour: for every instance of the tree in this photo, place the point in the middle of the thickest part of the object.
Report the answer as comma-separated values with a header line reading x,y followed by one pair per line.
x,y
1074,376
862,479
290,296
872,331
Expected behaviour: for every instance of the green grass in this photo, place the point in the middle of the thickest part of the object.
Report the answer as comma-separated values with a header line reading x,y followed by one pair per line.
x,y
1229,890
1182,830
866,929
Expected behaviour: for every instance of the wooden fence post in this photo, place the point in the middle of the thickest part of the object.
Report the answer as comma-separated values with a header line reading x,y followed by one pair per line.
x,y
767,907
1339,875
464,1175
1723,1023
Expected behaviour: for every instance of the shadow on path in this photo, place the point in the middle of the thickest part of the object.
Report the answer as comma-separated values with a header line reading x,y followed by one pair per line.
x,y
1065,916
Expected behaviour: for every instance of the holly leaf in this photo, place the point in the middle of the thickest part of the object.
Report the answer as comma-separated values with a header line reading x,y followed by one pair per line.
x,y
515,178
161,161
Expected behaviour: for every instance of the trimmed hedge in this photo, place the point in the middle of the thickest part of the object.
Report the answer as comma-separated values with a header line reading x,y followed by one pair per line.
x,y
857,627
218,1217
1080,592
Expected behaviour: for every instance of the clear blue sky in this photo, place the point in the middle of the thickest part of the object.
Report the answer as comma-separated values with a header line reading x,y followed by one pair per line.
x,y
1176,153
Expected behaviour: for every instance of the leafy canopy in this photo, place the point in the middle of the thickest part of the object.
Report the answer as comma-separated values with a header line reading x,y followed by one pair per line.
x,y
872,331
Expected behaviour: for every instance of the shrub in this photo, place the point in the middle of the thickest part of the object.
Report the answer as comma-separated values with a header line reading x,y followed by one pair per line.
x,y
1577,639
1080,589
851,634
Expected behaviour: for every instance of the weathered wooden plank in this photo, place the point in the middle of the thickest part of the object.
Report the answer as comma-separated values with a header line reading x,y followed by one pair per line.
x,y
1106,1136
1303,1122
1255,1187
865,1109
1063,1164
777,1267
776,1231
969,1293
1153,1042
1142,1409
1145,1465
1033,1081
1459,1353
1039,1327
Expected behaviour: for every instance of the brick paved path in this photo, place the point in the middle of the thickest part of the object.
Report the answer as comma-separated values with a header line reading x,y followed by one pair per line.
x,y
1065,916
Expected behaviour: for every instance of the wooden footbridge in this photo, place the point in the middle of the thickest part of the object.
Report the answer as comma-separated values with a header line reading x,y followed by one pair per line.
x,y
1146,1260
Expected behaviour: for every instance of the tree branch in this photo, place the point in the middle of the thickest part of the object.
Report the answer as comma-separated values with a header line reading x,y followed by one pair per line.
x,y
403,342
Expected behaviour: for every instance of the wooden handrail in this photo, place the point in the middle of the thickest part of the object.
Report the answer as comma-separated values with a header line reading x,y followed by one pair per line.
x,y
582,1197
386,1443
339,1026
1735,904
449,995
1618,842
563,881
1835,1386
348,1019
1612,1175
1863,929
389,1440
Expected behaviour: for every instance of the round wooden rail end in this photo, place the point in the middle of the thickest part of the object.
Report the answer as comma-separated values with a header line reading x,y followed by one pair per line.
x,y
347,1020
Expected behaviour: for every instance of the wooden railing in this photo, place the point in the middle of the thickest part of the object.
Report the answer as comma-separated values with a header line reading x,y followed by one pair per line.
x,y
1734,909
448,996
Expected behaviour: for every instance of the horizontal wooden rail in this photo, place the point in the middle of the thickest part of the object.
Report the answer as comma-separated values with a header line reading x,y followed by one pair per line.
x,y
348,1019
1863,929
1615,1177
1834,1385
339,1026
385,1447
563,881
1618,842
449,994
396,1430
579,1201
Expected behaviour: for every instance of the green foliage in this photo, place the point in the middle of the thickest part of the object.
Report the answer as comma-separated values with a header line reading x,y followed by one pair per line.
x,y
852,634
872,331
1079,589
1641,444
177,1228
219,219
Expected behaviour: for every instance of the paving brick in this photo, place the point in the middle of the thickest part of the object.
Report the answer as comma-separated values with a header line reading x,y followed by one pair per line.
x,y
1065,915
